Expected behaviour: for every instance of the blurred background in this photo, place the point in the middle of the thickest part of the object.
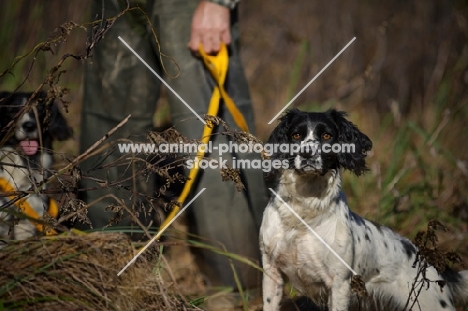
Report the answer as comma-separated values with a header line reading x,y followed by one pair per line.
x,y
404,82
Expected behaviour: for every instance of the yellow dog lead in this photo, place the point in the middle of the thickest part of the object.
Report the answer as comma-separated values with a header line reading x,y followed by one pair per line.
x,y
218,66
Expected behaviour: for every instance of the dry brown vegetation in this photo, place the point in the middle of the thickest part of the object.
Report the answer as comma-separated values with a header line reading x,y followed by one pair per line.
x,y
79,272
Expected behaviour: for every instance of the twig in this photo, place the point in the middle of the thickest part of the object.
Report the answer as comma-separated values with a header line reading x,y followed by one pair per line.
x,y
82,156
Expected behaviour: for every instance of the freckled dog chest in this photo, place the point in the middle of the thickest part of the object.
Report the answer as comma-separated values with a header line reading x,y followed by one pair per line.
x,y
298,254
306,270
298,247
283,250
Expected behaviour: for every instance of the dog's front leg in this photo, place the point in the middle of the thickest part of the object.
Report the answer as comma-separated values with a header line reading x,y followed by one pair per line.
x,y
338,300
272,284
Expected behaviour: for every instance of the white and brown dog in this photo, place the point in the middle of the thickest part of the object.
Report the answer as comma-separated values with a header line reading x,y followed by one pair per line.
x,y
26,136
311,187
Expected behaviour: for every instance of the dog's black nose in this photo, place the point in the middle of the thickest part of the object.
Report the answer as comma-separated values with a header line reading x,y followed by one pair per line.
x,y
307,155
29,126
309,151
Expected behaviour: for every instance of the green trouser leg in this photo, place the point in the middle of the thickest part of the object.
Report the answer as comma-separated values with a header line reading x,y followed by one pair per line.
x,y
221,214
117,84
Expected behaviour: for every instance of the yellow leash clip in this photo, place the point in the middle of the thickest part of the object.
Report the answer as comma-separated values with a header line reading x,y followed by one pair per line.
x,y
218,66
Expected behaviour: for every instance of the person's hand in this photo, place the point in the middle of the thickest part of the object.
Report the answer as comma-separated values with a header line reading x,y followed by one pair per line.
x,y
210,26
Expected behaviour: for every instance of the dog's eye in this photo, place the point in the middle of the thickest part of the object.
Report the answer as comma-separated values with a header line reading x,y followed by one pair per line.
x,y
326,136
296,136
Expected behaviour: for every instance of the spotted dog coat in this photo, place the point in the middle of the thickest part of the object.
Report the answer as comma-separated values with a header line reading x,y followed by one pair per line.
x,y
312,188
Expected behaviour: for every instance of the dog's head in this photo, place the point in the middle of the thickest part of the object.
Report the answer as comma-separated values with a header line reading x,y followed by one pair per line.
x,y
319,142
41,121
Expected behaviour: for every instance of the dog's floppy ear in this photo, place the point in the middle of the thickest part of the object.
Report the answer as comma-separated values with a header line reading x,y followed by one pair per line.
x,y
58,126
7,111
351,135
277,137
279,134
3,114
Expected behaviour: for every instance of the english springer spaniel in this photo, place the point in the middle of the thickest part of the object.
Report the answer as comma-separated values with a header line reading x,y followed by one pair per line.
x,y
26,136
320,254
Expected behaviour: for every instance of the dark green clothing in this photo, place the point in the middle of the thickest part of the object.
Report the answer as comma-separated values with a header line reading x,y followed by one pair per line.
x,y
118,84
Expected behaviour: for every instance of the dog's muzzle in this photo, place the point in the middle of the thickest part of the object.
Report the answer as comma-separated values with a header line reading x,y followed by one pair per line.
x,y
26,134
309,158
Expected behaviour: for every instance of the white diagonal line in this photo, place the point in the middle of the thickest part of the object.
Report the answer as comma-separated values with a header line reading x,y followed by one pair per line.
x,y
313,231
159,233
162,80
313,79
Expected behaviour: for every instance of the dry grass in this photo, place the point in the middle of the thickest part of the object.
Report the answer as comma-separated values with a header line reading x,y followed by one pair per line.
x,y
79,272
